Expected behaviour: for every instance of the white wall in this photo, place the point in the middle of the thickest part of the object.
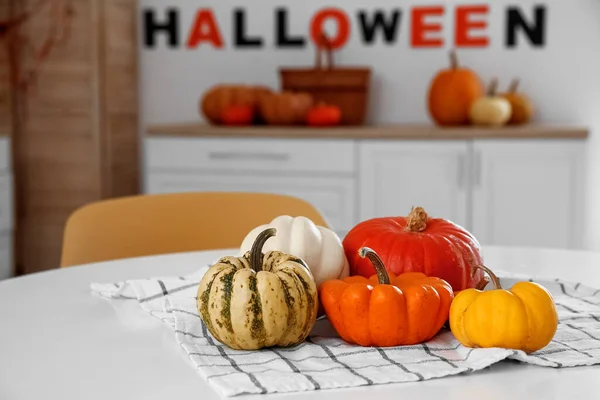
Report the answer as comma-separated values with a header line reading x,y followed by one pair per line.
x,y
563,78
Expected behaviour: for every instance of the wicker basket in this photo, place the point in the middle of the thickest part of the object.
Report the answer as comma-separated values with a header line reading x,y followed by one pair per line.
x,y
346,88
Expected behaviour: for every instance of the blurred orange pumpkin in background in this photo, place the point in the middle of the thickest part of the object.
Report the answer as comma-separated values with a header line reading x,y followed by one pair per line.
x,y
219,98
451,93
521,105
324,115
238,115
285,108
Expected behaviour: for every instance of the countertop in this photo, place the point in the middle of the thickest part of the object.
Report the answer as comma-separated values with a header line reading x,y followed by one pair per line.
x,y
398,132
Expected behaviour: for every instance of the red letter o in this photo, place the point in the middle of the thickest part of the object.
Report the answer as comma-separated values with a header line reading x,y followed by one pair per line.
x,y
343,23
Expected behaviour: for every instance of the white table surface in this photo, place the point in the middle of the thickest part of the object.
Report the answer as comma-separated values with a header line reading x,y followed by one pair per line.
x,y
48,319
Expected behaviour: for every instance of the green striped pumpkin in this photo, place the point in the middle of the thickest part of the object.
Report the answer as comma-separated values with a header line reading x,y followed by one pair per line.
x,y
258,300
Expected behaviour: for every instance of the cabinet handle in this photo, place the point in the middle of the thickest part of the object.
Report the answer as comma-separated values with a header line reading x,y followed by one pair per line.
x,y
477,169
461,171
246,156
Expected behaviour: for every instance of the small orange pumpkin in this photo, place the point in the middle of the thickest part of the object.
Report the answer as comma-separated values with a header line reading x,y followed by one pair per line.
x,y
522,107
219,98
238,115
285,108
386,310
451,93
324,115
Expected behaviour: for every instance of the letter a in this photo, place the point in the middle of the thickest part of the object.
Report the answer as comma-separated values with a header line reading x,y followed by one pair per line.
x,y
205,29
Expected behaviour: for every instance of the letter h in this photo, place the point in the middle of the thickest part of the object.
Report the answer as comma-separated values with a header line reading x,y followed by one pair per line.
x,y
169,27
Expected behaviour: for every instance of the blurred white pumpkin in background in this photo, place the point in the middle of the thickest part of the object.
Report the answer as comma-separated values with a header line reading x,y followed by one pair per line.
x,y
491,109
318,246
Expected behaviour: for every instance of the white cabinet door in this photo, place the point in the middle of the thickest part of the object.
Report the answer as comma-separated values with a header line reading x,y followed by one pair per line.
x,y
395,176
528,193
333,196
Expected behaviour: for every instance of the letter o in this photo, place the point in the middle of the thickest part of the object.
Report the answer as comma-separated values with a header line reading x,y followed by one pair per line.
x,y
343,23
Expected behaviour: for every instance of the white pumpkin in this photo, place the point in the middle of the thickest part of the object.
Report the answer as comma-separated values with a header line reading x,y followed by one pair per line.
x,y
490,110
318,246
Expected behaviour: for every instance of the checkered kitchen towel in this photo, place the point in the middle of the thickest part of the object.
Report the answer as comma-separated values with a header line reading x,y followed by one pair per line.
x,y
325,361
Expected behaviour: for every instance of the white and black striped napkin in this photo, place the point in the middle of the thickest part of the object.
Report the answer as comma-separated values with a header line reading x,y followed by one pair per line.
x,y
324,361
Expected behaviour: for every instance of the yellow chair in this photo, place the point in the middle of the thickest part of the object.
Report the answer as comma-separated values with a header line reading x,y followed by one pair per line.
x,y
170,223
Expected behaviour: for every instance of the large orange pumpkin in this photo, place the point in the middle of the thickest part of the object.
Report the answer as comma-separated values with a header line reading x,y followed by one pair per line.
x,y
417,243
386,310
285,108
220,98
451,93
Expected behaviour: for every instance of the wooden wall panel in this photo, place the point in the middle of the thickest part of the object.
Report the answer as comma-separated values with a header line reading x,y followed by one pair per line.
x,y
5,95
124,150
78,137
52,162
121,98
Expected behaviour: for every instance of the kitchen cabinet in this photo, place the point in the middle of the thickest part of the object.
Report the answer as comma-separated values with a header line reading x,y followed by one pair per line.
x,y
395,176
334,197
517,186
528,193
320,172
506,192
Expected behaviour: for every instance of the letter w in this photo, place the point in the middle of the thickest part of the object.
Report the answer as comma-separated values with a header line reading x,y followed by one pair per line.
x,y
379,22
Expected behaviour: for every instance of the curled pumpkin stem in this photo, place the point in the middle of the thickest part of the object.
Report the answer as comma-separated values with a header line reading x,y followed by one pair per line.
x,y
382,275
453,59
482,283
495,279
256,254
514,85
416,220
493,88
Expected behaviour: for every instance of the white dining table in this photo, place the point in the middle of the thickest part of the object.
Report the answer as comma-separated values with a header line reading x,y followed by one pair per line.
x,y
58,340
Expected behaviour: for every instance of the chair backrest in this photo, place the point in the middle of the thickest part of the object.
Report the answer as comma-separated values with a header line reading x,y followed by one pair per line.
x,y
170,223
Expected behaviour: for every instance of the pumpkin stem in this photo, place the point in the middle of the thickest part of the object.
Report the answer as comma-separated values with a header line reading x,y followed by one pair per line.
x,y
256,254
416,220
453,59
493,276
382,275
493,87
483,282
514,85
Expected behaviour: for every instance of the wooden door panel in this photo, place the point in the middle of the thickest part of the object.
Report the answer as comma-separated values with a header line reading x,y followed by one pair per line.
x,y
5,94
77,139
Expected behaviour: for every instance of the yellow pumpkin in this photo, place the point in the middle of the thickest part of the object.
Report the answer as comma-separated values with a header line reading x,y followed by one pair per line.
x,y
258,300
522,318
